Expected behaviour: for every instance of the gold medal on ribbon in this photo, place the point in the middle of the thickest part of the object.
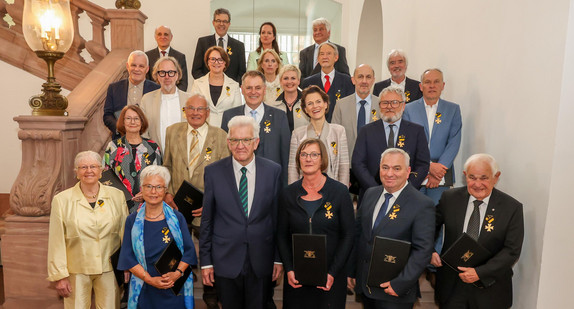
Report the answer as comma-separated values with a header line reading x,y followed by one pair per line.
x,y
165,238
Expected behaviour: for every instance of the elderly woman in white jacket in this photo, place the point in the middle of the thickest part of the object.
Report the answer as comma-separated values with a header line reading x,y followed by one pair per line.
x,y
315,103
221,91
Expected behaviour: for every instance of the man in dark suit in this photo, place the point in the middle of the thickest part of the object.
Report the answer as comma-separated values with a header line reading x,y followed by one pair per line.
x,y
309,56
496,221
336,84
237,242
398,211
163,37
274,133
127,91
391,131
397,64
235,49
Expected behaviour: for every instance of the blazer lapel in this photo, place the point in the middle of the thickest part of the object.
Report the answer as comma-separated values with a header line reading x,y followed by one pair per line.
x,y
369,211
232,183
422,114
489,222
181,141
439,110
209,142
460,212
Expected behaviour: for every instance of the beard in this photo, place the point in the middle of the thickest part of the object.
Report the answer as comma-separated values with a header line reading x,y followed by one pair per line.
x,y
393,118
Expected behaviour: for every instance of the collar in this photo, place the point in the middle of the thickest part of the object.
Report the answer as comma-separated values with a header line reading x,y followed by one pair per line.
x,y
331,74
202,131
225,38
398,192
397,123
131,85
237,166
402,84
166,50
484,201
368,99
260,110
434,105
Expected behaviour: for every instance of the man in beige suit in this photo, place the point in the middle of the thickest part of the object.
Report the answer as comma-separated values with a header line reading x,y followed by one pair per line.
x,y
163,107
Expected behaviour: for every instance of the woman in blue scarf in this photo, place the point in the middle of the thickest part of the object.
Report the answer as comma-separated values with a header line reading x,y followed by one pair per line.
x,y
147,233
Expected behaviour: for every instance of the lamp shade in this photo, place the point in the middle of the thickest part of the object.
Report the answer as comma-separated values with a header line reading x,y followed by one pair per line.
x,y
47,25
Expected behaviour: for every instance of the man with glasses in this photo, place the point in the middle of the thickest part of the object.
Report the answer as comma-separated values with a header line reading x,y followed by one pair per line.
x,y
274,129
234,48
189,147
127,91
390,132
238,225
163,37
163,107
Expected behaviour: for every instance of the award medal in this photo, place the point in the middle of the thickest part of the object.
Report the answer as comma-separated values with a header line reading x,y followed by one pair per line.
x,y
437,119
146,158
267,129
328,214
334,145
374,113
298,111
278,90
229,52
489,227
227,90
401,142
338,94
101,203
165,238
208,152
394,212
407,96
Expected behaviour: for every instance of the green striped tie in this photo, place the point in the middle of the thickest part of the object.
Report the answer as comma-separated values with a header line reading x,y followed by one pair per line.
x,y
243,190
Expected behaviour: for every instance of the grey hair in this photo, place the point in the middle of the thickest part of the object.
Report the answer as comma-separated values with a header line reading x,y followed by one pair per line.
x,y
395,151
163,59
138,53
397,52
88,154
330,44
222,11
322,21
393,89
155,170
482,157
198,95
240,121
432,69
289,67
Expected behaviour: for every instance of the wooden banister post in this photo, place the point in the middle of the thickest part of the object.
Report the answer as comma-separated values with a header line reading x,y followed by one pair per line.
x,y
127,29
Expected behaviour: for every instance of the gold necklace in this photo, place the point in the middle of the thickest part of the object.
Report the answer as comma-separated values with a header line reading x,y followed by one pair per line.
x,y
89,196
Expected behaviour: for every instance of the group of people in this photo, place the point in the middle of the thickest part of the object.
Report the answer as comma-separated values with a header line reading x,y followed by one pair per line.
x,y
279,150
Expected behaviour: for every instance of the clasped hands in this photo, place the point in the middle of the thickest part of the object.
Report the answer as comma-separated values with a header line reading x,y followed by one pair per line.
x,y
435,175
386,286
164,281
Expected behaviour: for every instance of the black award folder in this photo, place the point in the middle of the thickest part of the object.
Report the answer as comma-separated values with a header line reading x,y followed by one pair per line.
x,y
388,259
119,274
168,262
310,259
187,199
109,178
466,252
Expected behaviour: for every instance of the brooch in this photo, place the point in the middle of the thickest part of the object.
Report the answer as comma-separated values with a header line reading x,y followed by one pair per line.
x,y
146,158
229,52
267,129
328,214
208,152
407,96
437,119
338,94
374,113
334,145
394,212
401,142
278,90
298,111
489,227
165,238
227,89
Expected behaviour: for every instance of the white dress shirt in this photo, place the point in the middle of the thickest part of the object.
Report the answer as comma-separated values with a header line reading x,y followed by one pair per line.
x,y
250,174
260,112
170,113
401,84
391,202
331,77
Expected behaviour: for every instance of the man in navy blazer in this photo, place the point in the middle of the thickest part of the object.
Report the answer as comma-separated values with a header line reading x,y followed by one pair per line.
x,y
397,64
388,132
499,228
308,57
235,48
274,134
127,91
163,37
443,130
238,225
336,84
398,211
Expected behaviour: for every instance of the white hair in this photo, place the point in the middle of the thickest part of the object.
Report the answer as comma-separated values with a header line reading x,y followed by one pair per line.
x,y
138,53
393,89
482,157
432,69
322,21
88,154
397,52
240,121
396,151
155,170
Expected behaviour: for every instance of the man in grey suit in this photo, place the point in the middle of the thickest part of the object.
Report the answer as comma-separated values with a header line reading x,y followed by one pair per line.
x,y
163,37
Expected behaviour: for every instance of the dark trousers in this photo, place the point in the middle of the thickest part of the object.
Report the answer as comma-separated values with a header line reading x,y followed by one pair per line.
x,y
464,296
247,291
370,303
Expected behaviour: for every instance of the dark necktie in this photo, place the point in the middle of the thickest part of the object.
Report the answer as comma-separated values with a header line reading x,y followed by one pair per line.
x,y
327,83
382,211
163,53
474,222
361,117
391,140
243,193
220,44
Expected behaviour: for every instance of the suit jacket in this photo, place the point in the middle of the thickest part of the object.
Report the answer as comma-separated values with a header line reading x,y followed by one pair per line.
x,y
372,141
153,56
412,90
341,86
176,157
227,235
117,98
306,61
345,114
445,138
230,97
335,140
151,106
414,223
235,50
273,143
504,241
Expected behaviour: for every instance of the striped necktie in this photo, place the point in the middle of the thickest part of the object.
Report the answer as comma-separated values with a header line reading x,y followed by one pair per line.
x,y
243,194
194,152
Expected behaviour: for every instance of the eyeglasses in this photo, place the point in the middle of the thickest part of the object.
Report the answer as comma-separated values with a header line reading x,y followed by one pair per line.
x,y
312,155
150,188
169,73
393,103
86,167
219,21
214,60
130,119
193,109
246,141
